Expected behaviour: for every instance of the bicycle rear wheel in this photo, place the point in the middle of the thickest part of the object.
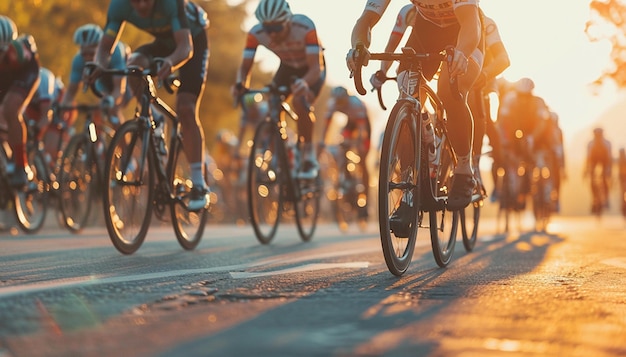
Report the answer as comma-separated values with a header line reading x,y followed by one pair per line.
x,y
308,207
188,225
129,188
31,202
470,216
398,191
77,173
264,182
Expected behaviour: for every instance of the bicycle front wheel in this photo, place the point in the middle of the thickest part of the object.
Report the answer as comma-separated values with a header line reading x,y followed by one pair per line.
x,y
188,225
77,172
31,202
129,188
443,223
398,191
308,207
264,182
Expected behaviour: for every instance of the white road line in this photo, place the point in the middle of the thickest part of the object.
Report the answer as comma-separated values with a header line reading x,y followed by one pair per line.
x,y
91,280
300,269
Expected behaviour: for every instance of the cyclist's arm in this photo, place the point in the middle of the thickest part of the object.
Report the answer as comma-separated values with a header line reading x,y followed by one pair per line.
x,y
249,52
183,51
470,29
70,94
361,32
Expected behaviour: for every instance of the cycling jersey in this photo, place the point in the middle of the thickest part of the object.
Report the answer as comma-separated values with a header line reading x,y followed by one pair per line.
x,y
599,153
301,41
168,16
19,68
405,18
117,61
356,112
49,89
439,12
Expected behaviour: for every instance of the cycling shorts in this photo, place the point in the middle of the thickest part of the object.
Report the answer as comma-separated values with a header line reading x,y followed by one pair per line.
x,y
285,73
21,81
192,74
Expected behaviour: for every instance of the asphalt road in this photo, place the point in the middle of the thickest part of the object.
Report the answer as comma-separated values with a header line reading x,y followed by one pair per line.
x,y
560,293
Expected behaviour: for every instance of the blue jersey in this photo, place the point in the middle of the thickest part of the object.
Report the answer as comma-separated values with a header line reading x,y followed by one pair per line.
x,y
168,16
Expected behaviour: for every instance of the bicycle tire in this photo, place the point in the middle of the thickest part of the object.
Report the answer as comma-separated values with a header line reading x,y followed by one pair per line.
x,y
188,225
31,203
470,218
128,204
398,179
443,223
308,207
265,201
76,176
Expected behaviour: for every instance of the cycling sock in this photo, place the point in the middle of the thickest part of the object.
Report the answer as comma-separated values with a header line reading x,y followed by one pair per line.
x,y
197,178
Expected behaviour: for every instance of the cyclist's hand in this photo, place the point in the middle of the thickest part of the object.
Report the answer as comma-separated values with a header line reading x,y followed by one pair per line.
x,y
457,63
356,56
378,79
237,91
165,69
299,87
91,72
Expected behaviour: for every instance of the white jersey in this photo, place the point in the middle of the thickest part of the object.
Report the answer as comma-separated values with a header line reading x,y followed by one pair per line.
x,y
301,41
405,18
439,12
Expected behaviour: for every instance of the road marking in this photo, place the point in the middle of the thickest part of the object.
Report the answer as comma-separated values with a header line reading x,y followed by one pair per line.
x,y
300,269
616,262
92,280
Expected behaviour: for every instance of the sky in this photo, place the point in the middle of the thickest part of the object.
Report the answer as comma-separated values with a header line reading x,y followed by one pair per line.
x,y
545,40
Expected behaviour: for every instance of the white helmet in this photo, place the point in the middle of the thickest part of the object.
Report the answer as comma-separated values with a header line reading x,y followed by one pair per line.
x,y
339,92
8,30
88,35
273,11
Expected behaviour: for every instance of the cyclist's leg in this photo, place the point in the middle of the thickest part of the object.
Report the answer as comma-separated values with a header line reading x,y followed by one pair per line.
x,y
193,77
12,106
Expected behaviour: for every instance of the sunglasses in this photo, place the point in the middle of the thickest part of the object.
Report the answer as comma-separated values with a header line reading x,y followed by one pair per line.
x,y
269,28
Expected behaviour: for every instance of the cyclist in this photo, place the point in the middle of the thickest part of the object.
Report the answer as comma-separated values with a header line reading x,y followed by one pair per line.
x,y
495,62
437,24
555,134
293,38
179,28
599,157
19,70
49,92
621,167
87,38
522,117
357,126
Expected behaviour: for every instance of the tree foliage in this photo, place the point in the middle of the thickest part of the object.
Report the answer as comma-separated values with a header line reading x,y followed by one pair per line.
x,y
52,24
608,22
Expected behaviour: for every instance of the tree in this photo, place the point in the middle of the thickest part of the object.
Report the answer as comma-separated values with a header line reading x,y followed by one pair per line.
x,y
608,21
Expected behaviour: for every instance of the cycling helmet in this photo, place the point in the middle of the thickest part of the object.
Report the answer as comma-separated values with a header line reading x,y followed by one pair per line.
x,y
8,30
88,35
339,92
598,131
525,85
273,11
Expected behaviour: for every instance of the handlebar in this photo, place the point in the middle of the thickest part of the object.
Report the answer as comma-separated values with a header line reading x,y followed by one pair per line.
x,y
408,54
170,84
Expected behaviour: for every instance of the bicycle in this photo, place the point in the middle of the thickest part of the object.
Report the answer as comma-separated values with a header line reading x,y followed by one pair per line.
x,y
350,189
140,178
470,216
82,168
273,188
410,185
30,203
543,192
